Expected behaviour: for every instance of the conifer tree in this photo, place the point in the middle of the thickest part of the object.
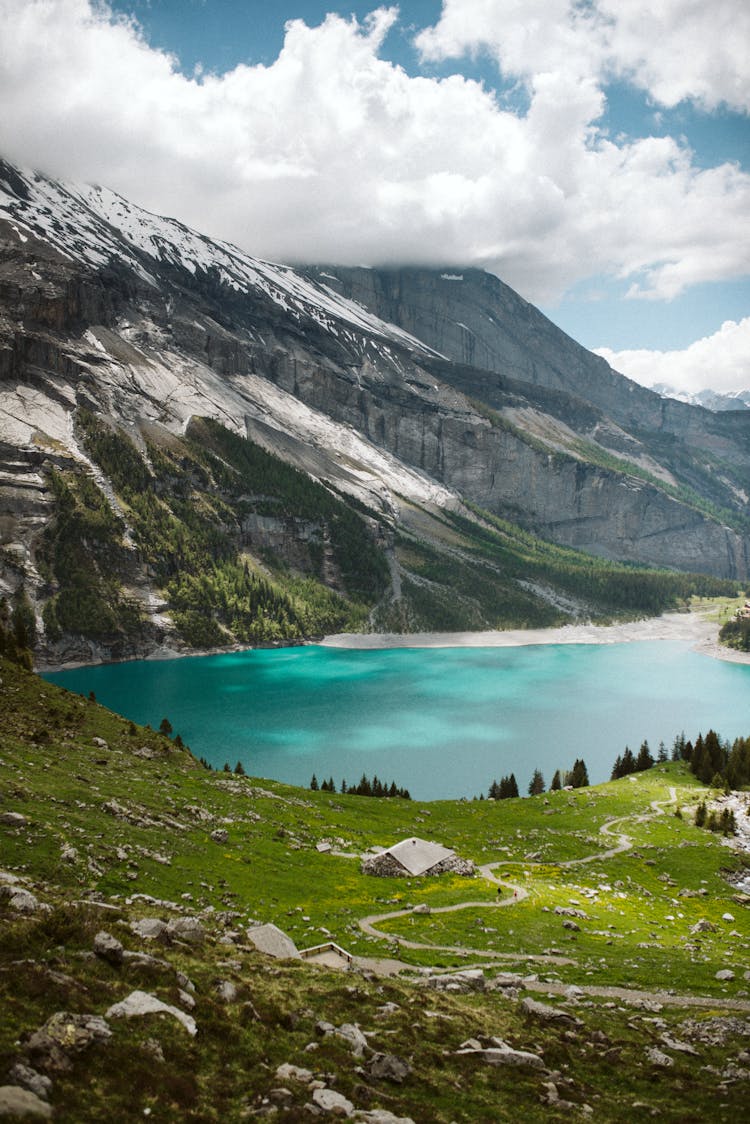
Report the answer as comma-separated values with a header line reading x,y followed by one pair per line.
x,y
536,784
314,786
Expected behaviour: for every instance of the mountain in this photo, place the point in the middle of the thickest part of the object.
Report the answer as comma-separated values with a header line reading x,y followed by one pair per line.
x,y
710,399
198,444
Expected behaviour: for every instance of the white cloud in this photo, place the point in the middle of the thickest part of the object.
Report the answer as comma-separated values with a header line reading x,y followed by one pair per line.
x,y
333,153
674,49
720,361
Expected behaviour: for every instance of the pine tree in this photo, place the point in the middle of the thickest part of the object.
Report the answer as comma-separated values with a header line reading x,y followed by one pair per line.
x,y
645,759
536,784
661,757
556,782
579,777
239,769
165,727
314,786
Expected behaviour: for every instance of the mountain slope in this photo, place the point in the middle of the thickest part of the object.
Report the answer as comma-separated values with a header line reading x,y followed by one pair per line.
x,y
112,313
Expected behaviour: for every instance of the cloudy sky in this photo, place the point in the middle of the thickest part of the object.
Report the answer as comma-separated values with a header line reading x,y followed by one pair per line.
x,y
595,154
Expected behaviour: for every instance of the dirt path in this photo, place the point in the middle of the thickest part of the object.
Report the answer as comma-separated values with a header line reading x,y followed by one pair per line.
x,y
392,966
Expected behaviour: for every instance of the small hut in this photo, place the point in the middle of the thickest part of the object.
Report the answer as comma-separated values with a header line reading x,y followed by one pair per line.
x,y
414,857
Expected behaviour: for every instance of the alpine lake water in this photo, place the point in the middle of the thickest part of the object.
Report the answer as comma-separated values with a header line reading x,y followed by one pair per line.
x,y
442,722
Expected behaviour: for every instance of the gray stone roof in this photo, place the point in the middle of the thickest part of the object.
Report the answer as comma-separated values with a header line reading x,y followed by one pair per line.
x,y
418,855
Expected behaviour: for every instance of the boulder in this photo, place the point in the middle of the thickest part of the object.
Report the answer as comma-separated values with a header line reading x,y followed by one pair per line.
x,y
30,1079
13,819
499,1053
724,974
188,929
703,926
470,980
389,1067
288,1072
150,928
23,901
221,835
332,1102
547,1014
50,1047
659,1058
140,1003
15,1101
108,948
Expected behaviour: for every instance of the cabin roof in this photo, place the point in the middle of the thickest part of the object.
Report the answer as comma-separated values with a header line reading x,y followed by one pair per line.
x,y
418,855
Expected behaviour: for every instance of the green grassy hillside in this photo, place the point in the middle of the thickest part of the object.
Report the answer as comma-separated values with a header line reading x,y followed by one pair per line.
x,y
119,824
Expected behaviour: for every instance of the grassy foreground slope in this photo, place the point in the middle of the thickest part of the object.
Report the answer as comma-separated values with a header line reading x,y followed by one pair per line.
x,y
119,824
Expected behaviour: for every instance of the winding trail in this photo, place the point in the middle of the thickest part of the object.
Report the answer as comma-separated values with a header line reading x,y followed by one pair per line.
x,y
391,966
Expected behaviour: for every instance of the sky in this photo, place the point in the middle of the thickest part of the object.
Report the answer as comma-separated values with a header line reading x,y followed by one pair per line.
x,y
594,154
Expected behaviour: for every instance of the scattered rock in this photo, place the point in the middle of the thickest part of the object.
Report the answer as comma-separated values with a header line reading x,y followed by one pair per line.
x,y
727,917
470,980
220,835
68,853
724,974
574,928
389,1067
659,1058
422,908
226,991
63,1034
288,1072
678,1047
140,1003
149,928
703,926
547,1014
23,901
30,1079
188,929
351,1033
381,1116
15,1101
13,819
334,1103
564,911
499,1053
108,948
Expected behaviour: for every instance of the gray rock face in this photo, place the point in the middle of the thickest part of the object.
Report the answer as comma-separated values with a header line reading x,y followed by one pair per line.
x,y
511,414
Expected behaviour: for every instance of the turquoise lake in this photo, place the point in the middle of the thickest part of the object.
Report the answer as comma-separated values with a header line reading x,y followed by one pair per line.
x,y
442,722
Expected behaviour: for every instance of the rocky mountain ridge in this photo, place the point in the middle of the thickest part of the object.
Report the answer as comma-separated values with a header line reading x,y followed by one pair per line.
x,y
147,325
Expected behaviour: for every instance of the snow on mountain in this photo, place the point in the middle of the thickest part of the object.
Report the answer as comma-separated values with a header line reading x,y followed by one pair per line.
x,y
710,399
97,226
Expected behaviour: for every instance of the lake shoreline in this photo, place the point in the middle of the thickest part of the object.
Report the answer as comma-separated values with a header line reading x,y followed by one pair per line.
x,y
692,628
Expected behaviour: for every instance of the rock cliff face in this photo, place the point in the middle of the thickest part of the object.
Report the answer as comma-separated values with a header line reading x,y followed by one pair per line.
x,y
478,322
403,390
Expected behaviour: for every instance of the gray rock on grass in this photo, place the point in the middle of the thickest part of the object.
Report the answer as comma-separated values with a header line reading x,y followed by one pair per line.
x,y
15,1101
108,948
140,1003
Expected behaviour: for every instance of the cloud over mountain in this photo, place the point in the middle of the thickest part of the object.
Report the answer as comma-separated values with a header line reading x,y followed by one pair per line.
x,y
333,152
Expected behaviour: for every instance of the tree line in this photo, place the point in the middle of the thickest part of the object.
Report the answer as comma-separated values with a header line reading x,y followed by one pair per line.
x,y
507,787
365,787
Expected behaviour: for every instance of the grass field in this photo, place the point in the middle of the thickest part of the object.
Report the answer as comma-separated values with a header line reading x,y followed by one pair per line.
x,y
117,816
